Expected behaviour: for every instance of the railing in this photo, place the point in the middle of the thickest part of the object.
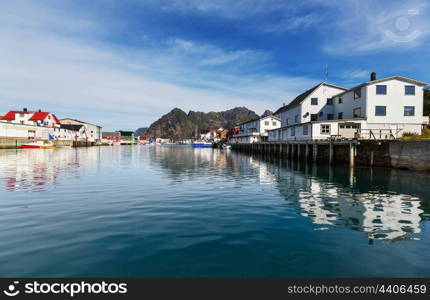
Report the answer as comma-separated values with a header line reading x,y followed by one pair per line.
x,y
376,134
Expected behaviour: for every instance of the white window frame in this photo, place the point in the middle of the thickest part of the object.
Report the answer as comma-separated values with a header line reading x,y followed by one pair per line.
x,y
323,131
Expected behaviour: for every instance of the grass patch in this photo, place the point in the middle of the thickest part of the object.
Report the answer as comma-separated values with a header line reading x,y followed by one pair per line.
x,y
409,136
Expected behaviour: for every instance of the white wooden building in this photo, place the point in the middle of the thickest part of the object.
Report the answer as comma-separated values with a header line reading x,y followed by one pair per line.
x,y
378,109
256,130
93,133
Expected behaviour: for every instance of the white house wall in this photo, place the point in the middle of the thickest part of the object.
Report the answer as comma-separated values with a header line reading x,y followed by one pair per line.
x,y
395,100
322,93
349,104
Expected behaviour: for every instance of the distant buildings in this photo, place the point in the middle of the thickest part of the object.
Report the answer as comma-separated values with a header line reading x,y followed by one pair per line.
x,y
93,133
256,130
25,117
25,124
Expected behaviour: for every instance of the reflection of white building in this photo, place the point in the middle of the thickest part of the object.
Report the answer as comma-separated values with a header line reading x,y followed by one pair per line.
x,y
37,170
381,216
265,176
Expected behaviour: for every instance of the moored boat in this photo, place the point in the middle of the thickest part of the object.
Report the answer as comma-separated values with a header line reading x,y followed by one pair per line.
x,y
202,145
38,145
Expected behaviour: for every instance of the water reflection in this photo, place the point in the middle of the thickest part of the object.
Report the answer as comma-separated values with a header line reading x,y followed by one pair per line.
x,y
36,170
386,205
371,201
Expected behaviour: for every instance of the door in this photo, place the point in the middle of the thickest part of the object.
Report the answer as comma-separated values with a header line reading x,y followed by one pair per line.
x,y
348,130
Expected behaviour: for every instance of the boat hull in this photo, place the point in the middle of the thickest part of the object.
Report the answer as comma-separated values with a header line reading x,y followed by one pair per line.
x,y
29,146
202,145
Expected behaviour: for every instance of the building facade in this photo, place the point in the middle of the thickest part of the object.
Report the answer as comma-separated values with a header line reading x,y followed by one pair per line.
x,y
256,130
31,125
378,109
93,133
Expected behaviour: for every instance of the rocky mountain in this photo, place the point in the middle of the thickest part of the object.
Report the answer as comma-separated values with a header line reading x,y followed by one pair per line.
x,y
267,113
178,125
141,131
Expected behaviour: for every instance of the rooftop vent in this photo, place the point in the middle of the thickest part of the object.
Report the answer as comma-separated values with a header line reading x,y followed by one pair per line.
x,y
372,76
24,109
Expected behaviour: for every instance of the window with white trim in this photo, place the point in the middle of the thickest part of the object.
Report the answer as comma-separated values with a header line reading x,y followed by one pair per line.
x,y
325,128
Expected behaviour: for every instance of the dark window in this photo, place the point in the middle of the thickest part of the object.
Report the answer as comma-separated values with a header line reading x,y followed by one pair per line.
x,y
329,101
314,101
357,112
330,117
409,90
357,93
266,123
296,118
286,121
305,129
381,90
293,131
314,117
321,114
340,100
380,110
409,111
325,129
274,123
340,115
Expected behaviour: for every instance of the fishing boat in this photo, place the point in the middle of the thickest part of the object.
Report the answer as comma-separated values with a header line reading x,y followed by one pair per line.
x,y
38,145
202,145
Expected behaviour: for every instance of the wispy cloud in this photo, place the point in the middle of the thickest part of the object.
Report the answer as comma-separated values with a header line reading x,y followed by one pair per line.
x,y
73,75
365,26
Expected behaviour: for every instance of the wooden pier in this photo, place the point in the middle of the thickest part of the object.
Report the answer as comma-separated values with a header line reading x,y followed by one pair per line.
x,y
331,152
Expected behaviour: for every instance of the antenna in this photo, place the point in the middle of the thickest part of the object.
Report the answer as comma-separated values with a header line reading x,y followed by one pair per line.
x,y
326,77
326,72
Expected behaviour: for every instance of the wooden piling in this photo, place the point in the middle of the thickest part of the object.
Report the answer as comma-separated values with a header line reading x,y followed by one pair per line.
x,y
351,155
314,152
330,153
306,151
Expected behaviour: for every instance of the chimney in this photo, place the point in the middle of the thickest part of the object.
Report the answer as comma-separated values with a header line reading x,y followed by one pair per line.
x,y
40,110
24,109
372,76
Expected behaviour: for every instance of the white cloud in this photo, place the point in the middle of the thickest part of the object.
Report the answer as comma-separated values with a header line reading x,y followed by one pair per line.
x,y
360,27
45,65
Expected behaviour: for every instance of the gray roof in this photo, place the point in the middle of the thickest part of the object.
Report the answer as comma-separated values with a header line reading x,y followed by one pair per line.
x,y
79,122
303,96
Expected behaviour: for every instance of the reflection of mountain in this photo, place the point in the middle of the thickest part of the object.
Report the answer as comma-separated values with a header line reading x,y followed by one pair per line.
x,y
34,169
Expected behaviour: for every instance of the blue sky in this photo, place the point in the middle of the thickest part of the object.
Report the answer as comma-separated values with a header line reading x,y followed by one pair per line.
x,y
122,64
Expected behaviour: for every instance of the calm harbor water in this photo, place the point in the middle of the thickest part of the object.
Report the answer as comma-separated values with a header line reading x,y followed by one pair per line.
x,y
159,211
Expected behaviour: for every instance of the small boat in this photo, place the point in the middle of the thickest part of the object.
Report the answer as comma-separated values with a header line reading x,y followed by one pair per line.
x,y
202,145
38,145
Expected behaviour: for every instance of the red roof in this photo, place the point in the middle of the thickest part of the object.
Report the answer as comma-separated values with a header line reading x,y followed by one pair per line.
x,y
37,116
56,119
41,115
11,114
